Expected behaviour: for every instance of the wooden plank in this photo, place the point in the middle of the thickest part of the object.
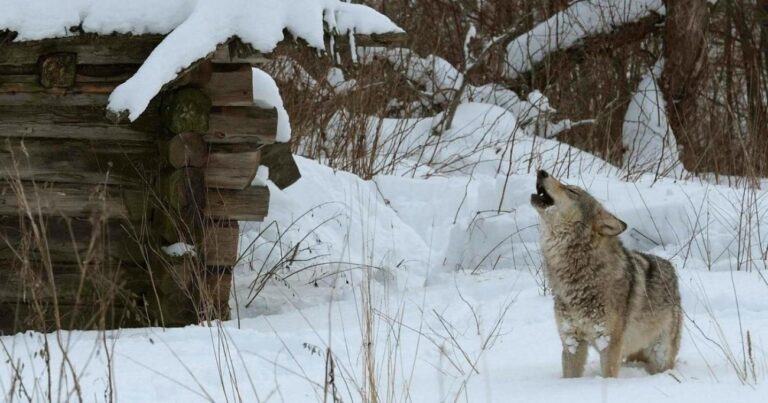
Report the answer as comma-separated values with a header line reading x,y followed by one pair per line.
x,y
219,243
68,200
235,51
75,122
242,124
70,240
90,49
75,161
230,86
250,204
232,166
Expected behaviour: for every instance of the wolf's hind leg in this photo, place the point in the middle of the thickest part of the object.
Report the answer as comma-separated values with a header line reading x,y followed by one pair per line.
x,y
663,352
574,359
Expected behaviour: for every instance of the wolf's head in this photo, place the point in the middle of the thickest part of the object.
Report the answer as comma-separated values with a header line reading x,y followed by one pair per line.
x,y
564,208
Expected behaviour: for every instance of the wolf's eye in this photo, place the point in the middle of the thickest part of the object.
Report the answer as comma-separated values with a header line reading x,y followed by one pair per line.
x,y
572,191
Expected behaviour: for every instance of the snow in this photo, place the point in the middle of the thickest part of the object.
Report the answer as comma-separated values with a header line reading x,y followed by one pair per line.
x,y
648,139
194,28
433,267
267,95
179,249
568,27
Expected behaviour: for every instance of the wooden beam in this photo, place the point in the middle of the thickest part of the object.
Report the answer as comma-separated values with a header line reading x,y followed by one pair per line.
x,y
80,162
283,171
230,85
232,166
68,200
235,51
74,122
69,240
219,243
90,48
242,124
250,204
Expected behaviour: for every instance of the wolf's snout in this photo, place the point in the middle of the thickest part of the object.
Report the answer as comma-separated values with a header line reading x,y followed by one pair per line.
x,y
541,199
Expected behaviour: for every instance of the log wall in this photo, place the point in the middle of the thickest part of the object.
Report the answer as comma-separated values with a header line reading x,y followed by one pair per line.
x,y
87,202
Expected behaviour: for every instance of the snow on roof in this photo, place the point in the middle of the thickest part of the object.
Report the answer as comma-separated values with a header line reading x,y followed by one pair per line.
x,y
194,27
571,25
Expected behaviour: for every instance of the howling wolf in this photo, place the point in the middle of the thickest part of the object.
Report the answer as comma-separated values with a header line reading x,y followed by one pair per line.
x,y
623,303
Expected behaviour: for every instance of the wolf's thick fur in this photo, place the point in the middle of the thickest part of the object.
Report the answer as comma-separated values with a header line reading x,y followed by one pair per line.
x,y
624,303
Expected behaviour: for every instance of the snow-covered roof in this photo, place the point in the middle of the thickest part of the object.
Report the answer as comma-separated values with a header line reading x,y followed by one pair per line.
x,y
194,27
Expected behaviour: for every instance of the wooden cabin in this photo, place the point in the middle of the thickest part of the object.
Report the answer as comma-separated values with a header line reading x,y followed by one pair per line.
x,y
90,201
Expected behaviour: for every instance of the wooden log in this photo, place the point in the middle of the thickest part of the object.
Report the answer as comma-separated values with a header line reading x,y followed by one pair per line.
x,y
58,70
68,200
250,204
235,51
232,166
90,48
87,296
230,85
70,240
283,170
74,122
179,217
242,124
187,150
186,110
219,243
77,161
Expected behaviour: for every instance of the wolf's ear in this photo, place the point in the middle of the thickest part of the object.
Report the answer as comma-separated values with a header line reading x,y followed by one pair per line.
x,y
608,225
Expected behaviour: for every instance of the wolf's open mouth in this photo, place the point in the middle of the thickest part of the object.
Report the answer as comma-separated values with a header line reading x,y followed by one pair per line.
x,y
541,198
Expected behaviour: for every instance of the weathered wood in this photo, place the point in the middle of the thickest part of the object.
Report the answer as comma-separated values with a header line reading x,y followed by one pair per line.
x,y
74,161
68,200
74,122
242,124
187,150
219,243
235,51
88,296
250,204
58,70
90,48
230,85
232,166
70,240
186,110
182,196
283,170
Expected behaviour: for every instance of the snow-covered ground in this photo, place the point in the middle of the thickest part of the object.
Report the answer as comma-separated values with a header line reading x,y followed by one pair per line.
x,y
426,286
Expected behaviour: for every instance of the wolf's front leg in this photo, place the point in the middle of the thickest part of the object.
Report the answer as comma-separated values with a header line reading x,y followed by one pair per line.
x,y
574,357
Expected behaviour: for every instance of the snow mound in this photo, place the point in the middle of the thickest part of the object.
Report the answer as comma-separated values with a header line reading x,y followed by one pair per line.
x,y
196,29
648,139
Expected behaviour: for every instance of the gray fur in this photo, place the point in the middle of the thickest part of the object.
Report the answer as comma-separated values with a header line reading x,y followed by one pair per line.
x,y
624,303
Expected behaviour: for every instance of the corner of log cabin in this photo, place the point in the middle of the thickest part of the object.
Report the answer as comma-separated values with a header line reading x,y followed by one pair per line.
x,y
86,203
88,199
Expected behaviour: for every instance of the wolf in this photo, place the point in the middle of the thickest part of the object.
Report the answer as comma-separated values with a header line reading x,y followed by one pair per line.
x,y
623,303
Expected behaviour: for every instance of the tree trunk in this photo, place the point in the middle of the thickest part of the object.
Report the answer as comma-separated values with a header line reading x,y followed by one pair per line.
x,y
685,52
